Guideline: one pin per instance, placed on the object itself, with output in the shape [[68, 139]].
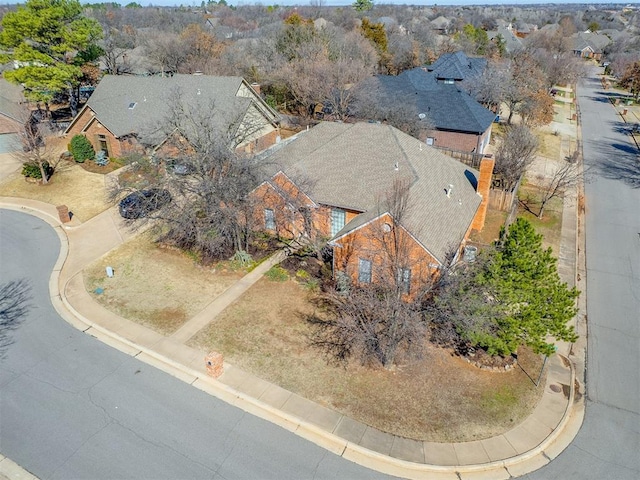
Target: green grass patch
[[277, 274]]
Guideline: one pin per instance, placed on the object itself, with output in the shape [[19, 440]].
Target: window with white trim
[[364, 270], [404, 279], [338, 218], [269, 219]]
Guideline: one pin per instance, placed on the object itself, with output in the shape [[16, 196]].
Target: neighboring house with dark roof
[[457, 67], [329, 183], [589, 45], [129, 113], [455, 120]]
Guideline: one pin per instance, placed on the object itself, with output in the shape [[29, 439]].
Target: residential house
[[506, 33], [128, 113], [457, 67], [452, 119], [329, 183], [589, 45], [441, 25]]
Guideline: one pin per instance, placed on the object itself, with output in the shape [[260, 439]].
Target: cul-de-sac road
[[608, 444], [74, 408]]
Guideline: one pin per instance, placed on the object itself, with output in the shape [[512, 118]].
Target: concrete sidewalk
[[528, 446]]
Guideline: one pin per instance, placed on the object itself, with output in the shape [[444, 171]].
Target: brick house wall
[[388, 247], [466, 142], [483, 188], [284, 198], [88, 125]]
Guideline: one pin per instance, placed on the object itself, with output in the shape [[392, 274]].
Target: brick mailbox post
[[214, 363]]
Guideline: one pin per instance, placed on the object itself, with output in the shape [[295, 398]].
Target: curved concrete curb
[[551, 446]]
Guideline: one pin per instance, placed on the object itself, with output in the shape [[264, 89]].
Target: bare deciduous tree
[[381, 321], [34, 147], [567, 176], [208, 176], [515, 153]]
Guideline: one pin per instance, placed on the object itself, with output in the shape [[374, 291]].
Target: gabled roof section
[[352, 166], [114, 95], [446, 105], [589, 40], [457, 66]]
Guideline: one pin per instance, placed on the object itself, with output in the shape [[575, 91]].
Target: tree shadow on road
[[618, 161], [15, 297]]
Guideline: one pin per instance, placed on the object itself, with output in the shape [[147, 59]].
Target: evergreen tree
[[50, 40], [511, 296], [536, 303]]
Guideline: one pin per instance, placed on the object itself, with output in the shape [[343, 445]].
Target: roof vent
[[396, 167], [198, 91], [197, 72], [422, 116], [132, 105], [449, 190]]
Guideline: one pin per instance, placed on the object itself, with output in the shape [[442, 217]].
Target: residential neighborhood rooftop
[[352, 166]]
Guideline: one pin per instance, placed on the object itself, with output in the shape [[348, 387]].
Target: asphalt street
[[608, 444], [73, 408]]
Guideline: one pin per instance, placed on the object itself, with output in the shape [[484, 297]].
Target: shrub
[[241, 259], [101, 158], [32, 170], [277, 274], [81, 149], [302, 274]]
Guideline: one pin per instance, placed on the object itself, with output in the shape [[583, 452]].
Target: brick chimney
[[484, 185], [256, 87]]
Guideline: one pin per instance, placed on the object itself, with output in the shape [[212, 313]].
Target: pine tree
[[536, 303], [50, 40]]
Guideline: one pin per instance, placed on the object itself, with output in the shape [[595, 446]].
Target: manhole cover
[[555, 388]]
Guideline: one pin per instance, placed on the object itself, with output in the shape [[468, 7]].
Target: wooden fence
[[500, 199], [470, 159]]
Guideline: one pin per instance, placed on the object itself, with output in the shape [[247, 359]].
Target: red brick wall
[[466, 142], [484, 185], [386, 250]]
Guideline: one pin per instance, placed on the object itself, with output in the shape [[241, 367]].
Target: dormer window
[[132, 105]]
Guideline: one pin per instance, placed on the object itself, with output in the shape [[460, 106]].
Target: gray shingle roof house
[[511, 42], [459, 121], [456, 67], [589, 45], [350, 167], [128, 110]]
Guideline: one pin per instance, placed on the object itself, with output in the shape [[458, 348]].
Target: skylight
[[132, 105]]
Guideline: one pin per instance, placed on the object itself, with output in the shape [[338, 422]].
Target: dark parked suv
[[140, 204]]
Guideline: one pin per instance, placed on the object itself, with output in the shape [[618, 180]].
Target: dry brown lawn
[[439, 398], [83, 192], [158, 287], [550, 224], [549, 145], [491, 231]]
